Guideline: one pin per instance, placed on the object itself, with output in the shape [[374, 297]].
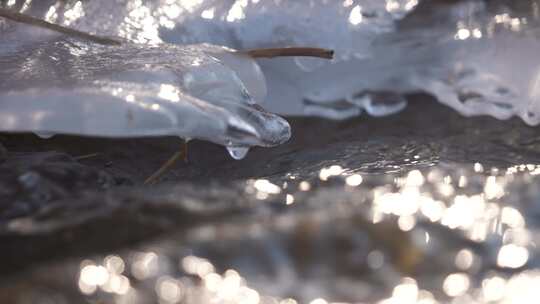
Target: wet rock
[[30, 181]]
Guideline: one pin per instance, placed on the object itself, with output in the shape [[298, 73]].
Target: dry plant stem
[[87, 156], [182, 154], [291, 51], [17, 17]]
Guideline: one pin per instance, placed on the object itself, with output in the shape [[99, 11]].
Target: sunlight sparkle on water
[[318, 301], [512, 256], [456, 284], [114, 264], [195, 265], [169, 92], [355, 17], [354, 180], [264, 185], [493, 189], [94, 275], [208, 13], [289, 199], [190, 5], [406, 223], [51, 15], [478, 168], [406, 292], [464, 259], [304, 186], [327, 172], [512, 217], [144, 265], [237, 11], [169, 290], [74, 13], [494, 288]]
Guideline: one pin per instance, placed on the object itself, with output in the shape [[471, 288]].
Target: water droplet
[[238, 153]]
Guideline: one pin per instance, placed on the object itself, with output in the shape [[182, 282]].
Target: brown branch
[[182, 154], [291, 51], [17, 17]]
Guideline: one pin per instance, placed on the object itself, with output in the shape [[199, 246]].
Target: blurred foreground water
[[423, 206]]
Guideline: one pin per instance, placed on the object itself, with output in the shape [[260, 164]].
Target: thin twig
[[17, 17], [291, 51], [182, 154], [86, 156]]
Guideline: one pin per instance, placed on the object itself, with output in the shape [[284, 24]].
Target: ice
[[349, 27], [238, 152], [380, 104], [477, 57], [56, 84]]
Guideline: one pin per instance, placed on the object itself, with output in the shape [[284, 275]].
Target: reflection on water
[[439, 234]]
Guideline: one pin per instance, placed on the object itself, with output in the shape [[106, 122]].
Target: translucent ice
[[50, 83], [478, 57], [379, 104]]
